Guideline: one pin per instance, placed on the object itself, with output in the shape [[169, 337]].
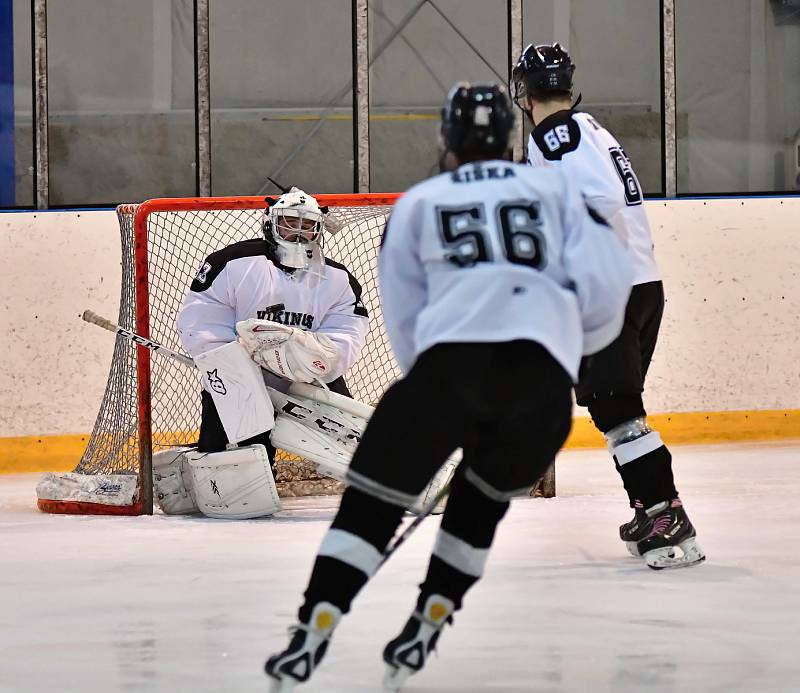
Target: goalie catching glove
[[289, 352]]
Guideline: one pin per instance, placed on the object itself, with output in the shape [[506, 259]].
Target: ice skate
[[637, 529], [306, 649], [408, 652], [671, 529]]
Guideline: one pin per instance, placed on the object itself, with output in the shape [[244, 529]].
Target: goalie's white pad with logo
[[319, 425], [331, 456], [235, 484], [289, 352], [331, 420], [238, 389], [325, 427], [173, 483]]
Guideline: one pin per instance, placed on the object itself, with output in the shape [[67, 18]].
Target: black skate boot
[[306, 649], [408, 652], [670, 529], [637, 529]]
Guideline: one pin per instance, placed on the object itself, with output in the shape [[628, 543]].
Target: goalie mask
[[292, 227]]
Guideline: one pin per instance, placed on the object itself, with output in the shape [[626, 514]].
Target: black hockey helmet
[[542, 70], [476, 121]]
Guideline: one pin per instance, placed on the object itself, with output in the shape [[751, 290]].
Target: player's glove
[[289, 352]]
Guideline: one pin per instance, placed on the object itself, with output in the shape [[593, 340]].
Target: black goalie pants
[[507, 405]]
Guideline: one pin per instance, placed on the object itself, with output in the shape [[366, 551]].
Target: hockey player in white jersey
[[495, 280], [273, 305], [611, 385]]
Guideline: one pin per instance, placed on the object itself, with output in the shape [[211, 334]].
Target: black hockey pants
[[507, 405]]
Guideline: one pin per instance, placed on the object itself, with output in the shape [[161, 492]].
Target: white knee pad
[[238, 390], [235, 484], [173, 484]]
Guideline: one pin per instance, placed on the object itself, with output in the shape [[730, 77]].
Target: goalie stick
[[331, 427], [100, 321], [401, 538]]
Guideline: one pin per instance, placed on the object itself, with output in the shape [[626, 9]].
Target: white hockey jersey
[[590, 155], [496, 251], [243, 281]]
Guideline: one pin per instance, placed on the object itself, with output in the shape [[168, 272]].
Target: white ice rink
[[156, 604]]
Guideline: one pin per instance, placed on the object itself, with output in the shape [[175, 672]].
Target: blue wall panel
[[7, 196]]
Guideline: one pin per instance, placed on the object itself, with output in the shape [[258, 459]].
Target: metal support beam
[[360, 96], [202, 98], [40, 113], [670, 106], [515, 39]]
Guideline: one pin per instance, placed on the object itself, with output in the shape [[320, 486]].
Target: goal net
[[153, 403]]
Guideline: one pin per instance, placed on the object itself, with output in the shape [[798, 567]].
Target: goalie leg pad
[[338, 424], [173, 484], [235, 484], [238, 389], [331, 456], [359, 410]]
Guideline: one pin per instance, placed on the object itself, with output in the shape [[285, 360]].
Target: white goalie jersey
[[590, 155], [242, 282], [496, 251]]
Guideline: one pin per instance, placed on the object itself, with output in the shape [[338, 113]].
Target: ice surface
[[159, 603]]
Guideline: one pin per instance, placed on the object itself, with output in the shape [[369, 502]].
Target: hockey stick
[[100, 321], [401, 538], [301, 389]]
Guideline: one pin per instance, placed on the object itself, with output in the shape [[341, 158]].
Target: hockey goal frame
[[138, 252], [141, 269]]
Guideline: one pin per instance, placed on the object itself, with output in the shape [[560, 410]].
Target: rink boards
[[726, 366]]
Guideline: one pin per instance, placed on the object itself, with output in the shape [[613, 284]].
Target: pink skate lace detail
[[660, 525]]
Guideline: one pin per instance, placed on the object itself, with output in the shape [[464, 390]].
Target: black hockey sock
[[628, 490], [466, 533], [649, 477], [444, 579], [362, 520]]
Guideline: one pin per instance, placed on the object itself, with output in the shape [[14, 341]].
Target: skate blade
[[395, 677], [281, 685], [633, 549], [662, 559]]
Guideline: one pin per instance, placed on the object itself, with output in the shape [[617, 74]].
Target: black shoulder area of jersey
[[216, 262], [558, 134], [355, 287]]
